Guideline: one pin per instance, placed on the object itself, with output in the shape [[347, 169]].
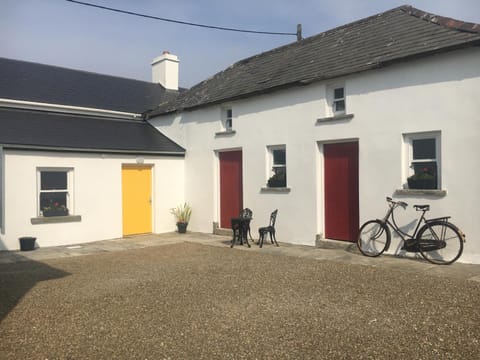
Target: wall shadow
[[18, 275]]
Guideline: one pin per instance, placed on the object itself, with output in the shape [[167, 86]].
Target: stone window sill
[[413, 192], [55, 219], [344, 117], [275, 190], [225, 133]]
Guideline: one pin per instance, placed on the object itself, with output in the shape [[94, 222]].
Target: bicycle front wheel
[[373, 238], [440, 242]]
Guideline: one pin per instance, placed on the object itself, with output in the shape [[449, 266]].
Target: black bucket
[[27, 243]]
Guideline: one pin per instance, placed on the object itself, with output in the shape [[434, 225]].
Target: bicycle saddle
[[421, 207]]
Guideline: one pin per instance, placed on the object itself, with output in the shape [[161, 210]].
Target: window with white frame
[[277, 159], [336, 99], [423, 160], [227, 119], [338, 104], [54, 191]]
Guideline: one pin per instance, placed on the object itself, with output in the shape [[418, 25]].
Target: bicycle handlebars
[[404, 205], [397, 203]]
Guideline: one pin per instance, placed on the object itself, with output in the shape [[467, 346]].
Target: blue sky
[[58, 32]]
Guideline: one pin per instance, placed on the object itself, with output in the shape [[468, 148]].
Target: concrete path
[[328, 251]]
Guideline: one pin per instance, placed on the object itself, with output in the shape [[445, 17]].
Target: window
[[228, 119], [54, 191], [339, 100], [336, 100], [278, 165], [424, 161]]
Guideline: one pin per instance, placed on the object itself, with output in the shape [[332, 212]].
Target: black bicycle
[[438, 240]]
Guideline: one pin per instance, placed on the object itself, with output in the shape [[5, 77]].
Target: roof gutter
[[87, 150], [32, 105]]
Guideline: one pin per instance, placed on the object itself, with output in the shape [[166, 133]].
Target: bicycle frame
[[393, 225]]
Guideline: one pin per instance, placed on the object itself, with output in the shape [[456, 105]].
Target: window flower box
[[421, 184], [59, 212], [422, 180], [277, 180], [54, 209]]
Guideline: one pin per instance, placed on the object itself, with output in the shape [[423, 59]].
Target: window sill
[[55, 219], [436, 193], [275, 190], [225, 133], [345, 117]]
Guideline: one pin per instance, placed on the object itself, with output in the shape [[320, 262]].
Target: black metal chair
[[240, 230], [270, 229], [241, 227], [247, 214]]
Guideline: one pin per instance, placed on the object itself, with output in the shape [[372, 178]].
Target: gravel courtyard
[[190, 301]]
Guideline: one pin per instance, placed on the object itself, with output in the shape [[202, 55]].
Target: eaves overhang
[[90, 150]]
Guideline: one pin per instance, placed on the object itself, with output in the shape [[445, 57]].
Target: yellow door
[[137, 199]]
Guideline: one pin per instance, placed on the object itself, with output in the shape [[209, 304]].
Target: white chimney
[[165, 70]]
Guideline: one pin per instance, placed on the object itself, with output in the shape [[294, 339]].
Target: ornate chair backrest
[[273, 218], [246, 213]]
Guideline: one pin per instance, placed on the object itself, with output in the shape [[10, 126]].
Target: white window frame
[[227, 118], [332, 101], [68, 190], [271, 163], [409, 161], [336, 100]]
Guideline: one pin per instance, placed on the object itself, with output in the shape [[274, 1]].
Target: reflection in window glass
[[278, 167], [424, 149], [53, 180]]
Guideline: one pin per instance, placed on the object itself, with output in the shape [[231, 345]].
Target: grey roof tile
[[399, 34], [22, 80], [29, 129]]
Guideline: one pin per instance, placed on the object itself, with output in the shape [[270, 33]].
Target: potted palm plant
[[182, 215]]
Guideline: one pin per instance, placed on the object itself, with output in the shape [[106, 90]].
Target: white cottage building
[[321, 129], [325, 128], [78, 162]]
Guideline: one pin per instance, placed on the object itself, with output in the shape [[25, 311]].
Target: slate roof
[[22, 80], [31, 129], [399, 34]]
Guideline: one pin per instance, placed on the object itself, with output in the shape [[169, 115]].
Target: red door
[[341, 191], [231, 189]]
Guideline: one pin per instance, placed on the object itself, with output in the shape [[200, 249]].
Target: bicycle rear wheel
[[440, 242], [373, 238]]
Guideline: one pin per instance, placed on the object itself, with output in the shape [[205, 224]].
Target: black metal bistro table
[[240, 226]]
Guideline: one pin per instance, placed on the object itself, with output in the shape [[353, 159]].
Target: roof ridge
[[444, 21], [304, 41], [397, 34], [77, 70]]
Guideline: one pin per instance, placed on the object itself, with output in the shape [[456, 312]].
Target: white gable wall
[[438, 93], [96, 191]]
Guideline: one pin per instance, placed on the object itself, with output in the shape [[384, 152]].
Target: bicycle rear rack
[[443, 218]]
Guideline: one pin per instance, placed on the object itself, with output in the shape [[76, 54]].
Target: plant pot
[[182, 227], [27, 243], [421, 184], [48, 213]]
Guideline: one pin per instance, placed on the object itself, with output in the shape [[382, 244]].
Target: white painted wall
[[439, 93], [97, 192]]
